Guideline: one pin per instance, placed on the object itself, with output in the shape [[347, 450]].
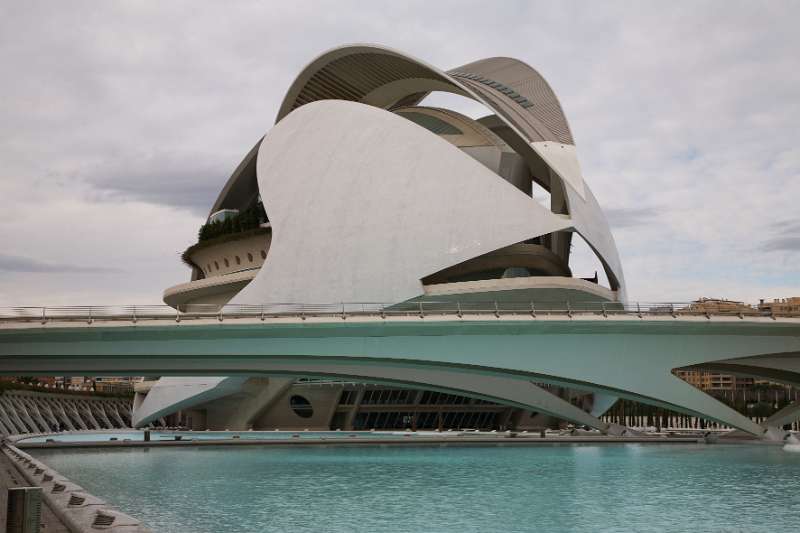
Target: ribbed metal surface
[[529, 84], [24, 512], [431, 123], [512, 88], [354, 76]]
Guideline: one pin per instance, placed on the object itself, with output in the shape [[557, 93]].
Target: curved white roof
[[364, 204], [519, 96]]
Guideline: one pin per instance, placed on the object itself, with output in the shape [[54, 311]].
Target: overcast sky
[[120, 122]]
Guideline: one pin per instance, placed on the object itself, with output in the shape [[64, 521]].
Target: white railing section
[[421, 309]]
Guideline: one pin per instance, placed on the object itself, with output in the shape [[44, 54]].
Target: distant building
[[714, 381], [781, 306], [718, 306], [116, 384]]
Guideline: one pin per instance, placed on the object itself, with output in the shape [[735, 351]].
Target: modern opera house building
[[359, 193]]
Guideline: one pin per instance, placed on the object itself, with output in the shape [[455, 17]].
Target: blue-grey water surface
[[642, 488]]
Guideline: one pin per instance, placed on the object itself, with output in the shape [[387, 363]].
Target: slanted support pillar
[[774, 424], [351, 416]]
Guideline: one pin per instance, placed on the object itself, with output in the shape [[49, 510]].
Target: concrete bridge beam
[[620, 357]]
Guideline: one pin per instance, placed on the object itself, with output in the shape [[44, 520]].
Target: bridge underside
[[496, 360], [511, 391]]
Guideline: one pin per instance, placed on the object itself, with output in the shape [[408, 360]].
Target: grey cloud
[[782, 244], [787, 227], [785, 238], [16, 263], [183, 181], [626, 217]]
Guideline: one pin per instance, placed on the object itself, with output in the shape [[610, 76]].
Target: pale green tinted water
[[554, 488]]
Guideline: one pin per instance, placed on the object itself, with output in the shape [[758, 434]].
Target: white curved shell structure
[[364, 212], [364, 195]]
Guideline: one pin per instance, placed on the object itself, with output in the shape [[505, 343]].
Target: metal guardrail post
[[569, 310], [605, 312], [133, 311], [178, 314], [496, 310], [672, 310], [421, 310], [344, 316], [44, 315], [458, 310], [639, 310], [533, 310], [90, 316], [262, 312]]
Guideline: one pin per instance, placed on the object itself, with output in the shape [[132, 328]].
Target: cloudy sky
[[120, 121]]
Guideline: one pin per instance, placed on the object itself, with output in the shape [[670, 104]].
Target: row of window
[[236, 258], [388, 396], [508, 91], [406, 397], [403, 420]]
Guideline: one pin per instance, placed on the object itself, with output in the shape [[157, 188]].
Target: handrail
[[422, 309]]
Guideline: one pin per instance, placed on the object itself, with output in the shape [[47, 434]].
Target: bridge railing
[[418, 308]]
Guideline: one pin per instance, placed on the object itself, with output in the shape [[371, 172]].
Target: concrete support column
[[260, 393], [351, 416], [787, 415]]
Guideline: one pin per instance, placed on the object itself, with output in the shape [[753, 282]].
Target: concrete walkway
[[10, 477]]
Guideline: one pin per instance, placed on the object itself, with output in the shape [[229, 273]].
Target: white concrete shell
[[363, 213], [382, 77], [172, 394]]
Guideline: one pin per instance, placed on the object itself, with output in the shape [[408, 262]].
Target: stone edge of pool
[[80, 511], [363, 441]]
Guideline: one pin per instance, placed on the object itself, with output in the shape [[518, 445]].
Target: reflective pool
[[643, 488]]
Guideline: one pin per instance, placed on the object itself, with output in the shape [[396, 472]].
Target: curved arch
[[326, 189], [172, 394], [529, 84], [524, 102], [529, 256], [241, 188], [383, 77], [469, 132]]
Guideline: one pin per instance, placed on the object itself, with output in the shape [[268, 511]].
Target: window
[[216, 265], [208, 267], [301, 406], [227, 263], [431, 123], [249, 257], [238, 261], [263, 254]]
